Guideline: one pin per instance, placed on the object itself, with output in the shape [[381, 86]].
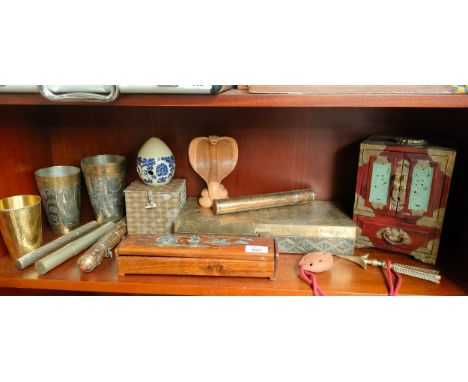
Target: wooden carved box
[[197, 255], [401, 194]]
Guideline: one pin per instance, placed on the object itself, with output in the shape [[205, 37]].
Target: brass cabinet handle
[[400, 195], [394, 236], [395, 193], [79, 96], [403, 182]]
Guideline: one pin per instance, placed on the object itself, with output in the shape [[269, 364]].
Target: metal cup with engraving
[[105, 180], [20, 224], [59, 187]]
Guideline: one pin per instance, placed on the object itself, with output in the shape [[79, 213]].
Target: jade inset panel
[[380, 182], [421, 184]]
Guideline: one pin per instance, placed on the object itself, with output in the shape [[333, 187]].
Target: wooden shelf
[[242, 98], [345, 278], [324, 143]]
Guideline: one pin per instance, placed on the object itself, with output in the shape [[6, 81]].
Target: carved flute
[[68, 251], [93, 257], [408, 270], [32, 257], [256, 202]]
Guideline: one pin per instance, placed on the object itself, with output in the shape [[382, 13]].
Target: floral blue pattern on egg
[[155, 162], [161, 169], [154, 171]]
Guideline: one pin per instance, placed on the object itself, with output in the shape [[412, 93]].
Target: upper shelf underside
[[242, 98]]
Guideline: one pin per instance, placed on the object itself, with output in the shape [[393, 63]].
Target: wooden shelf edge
[[146, 289], [347, 280], [242, 98]]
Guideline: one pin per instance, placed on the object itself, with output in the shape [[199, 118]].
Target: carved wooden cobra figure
[[213, 158]]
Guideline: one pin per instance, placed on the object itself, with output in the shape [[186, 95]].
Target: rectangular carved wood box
[[153, 209], [197, 255], [317, 226], [401, 195]]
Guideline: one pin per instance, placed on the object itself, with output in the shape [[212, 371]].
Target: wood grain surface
[[345, 278], [24, 148], [242, 98], [144, 245], [350, 89], [145, 265]]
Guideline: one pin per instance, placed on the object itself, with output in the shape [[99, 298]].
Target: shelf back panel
[[279, 148]]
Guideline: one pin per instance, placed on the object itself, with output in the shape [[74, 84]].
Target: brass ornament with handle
[[431, 275], [394, 236]]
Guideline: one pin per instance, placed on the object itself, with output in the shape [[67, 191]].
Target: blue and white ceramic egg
[[155, 163]]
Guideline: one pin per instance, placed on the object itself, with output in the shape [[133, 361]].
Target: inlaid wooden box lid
[[199, 246]]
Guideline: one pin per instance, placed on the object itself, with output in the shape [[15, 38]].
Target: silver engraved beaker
[[105, 180], [59, 187]]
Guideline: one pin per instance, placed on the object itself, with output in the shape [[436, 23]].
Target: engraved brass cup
[[105, 180], [59, 187], [20, 224]]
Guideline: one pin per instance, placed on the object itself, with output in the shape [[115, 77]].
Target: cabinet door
[[382, 181], [421, 186]]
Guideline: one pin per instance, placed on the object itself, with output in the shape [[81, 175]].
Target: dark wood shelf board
[[242, 98], [345, 278]]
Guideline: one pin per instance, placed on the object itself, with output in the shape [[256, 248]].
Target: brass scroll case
[[256, 202]]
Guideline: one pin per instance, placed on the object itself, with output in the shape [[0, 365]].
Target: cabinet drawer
[[395, 236]]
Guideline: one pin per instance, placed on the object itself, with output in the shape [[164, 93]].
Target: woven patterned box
[[153, 209]]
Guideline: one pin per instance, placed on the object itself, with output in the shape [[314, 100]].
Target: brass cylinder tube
[[256, 202]]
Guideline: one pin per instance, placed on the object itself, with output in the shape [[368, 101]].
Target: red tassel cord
[[310, 279], [393, 289], [393, 285]]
